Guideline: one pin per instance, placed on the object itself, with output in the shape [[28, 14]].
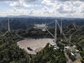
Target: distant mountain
[[20, 22]]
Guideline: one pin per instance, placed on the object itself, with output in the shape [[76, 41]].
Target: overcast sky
[[53, 8]]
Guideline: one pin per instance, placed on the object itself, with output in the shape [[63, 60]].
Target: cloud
[[70, 0], [61, 8], [21, 0], [30, 0], [47, 2], [19, 4], [9, 0], [23, 3], [37, 0], [66, 7]]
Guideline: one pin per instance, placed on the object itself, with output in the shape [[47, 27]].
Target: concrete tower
[[8, 25]]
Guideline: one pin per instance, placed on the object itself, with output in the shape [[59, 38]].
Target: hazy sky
[[53, 8]]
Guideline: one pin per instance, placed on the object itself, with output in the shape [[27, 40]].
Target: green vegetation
[[77, 38], [11, 53], [49, 55]]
